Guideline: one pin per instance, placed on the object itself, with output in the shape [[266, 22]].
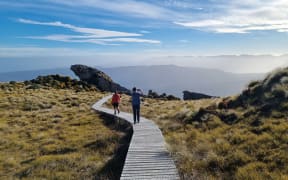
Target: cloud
[[219, 16], [124, 7], [88, 35], [91, 39], [184, 41], [100, 33], [243, 17], [145, 32], [132, 40], [69, 38]]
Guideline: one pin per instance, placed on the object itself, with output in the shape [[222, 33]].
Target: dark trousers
[[136, 112]]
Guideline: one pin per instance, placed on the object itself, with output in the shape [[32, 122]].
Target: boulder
[[96, 77], [163, 96], [187, 95]]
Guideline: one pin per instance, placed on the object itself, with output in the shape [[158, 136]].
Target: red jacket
[[116, 98]]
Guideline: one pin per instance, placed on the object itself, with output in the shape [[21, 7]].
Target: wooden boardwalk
[[147, 157]]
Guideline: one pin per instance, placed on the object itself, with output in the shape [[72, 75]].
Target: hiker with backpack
[[115, 102], [136, 93]]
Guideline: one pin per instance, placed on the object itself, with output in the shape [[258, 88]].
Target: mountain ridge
[[175, 79]]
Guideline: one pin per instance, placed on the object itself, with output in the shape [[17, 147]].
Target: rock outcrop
[[163, 96], [98, 78], [58, 82], [195, 96]]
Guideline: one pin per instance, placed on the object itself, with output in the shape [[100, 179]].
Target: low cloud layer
[[58, 57]]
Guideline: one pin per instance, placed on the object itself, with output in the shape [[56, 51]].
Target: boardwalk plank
[[147, 157]]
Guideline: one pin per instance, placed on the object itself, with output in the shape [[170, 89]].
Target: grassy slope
[[52, 134], [214, 149]]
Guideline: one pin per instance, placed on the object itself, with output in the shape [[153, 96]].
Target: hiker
[[115, 101], [136, 93]]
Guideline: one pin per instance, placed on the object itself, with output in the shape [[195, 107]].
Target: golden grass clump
[[52, 134], [253, 148]]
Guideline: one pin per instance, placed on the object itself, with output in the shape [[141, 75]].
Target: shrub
[[253, 83], [201, 151], [284, 80], [12, 82], [275, 77], [75, 103], [279, 92], [214, 163], [174, 126], [29, 106], [222, 148], [214, 122], [253, 171], [33, 86], [239, 137]]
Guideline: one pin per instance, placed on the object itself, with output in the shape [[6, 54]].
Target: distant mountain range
[[160, 78], [174, 79]]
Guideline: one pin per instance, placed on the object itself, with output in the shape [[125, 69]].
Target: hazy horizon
[[240, 64], [169, 79], [122, 66]]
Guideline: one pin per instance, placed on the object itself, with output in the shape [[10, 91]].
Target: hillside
[[48, 131], [240, 137], [47, 126]]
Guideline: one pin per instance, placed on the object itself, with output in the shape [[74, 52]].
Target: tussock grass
[[213, 149], [53, 134], [240, 137]]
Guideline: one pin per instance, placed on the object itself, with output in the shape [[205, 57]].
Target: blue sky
[[141, 28]]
